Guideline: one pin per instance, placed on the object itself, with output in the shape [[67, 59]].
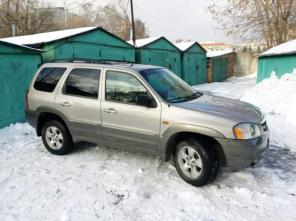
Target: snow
[[144, 41], [285, 48], [46, 36], [276, 97], [183, 46], [226, 51], [95, 182], [22, 46], [234, 87]]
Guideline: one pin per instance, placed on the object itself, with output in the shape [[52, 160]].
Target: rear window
[[48, 78], [83, 82]]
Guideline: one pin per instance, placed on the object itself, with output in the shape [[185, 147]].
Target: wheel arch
[[204, 136], [45, 116]]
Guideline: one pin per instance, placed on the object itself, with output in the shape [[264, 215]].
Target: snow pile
[[277, 98], [285, 48], [234, 87]]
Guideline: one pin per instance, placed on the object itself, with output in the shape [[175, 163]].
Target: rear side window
[[83, 82], [48, 78]]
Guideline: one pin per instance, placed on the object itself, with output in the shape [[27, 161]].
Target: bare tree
[[32, 16], [84, 18], [271, 22], [29, 16], [115, 18], [141, 29]]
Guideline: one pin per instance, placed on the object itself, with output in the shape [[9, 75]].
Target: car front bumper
[[241, 154]]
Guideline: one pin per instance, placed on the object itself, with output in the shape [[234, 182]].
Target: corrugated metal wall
[[93, 45], [194, 64], [17, 66], [281, 65], [219, 66], [160, 53]]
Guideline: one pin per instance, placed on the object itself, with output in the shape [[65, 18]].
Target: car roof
[[126, 66]]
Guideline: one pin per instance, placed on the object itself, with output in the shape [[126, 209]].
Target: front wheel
[[197, 164], [56, 138]]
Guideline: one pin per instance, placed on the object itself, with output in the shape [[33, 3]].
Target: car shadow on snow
[[82, 147], [278, 158]]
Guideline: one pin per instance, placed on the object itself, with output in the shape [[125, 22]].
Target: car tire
[[196, 162], [56, 138]]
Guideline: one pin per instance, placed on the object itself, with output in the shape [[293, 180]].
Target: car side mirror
[[146, 101]]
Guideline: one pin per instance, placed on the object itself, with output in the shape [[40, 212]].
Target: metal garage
[[220, 65], [91, 43], [159, 51], [280, 60], [194, 62], [17, 66]]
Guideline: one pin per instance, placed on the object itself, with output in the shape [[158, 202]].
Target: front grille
[[264, 126]]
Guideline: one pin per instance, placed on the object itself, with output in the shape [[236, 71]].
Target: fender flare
[[53, 111], [168, 136]]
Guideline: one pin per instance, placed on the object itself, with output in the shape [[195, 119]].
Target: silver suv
[[146, 109]]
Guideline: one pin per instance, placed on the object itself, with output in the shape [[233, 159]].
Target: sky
[[174, 19]]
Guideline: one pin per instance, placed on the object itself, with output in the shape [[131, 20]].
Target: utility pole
[[133, 24]]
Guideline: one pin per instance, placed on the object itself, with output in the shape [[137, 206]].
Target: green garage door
[[5, 107]]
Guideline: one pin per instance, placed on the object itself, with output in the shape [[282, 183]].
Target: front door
[[124, 123], [78, 100]]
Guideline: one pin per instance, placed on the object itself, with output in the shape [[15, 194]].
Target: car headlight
[[246, 131]]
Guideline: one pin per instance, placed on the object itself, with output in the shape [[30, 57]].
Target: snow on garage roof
[[183, 46], [211, 54], [285, 48], [21, 46], [144, 41], [46, 36]]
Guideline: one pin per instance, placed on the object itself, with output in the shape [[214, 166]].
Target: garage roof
[[285, 48], [144, 41], [47, 37], [19, 46], [183, 46], [212, 54]]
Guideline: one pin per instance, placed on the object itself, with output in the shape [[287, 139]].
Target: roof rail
[[91, 61]]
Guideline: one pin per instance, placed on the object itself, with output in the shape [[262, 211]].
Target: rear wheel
[[196, 163], [56, 138]]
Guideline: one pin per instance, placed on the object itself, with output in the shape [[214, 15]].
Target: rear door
[[78, 99]]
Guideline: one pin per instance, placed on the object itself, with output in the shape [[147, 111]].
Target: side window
[[83, 82], [123, 87], [48, 78]]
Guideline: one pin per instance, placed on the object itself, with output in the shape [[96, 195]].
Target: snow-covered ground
[[95, 183]]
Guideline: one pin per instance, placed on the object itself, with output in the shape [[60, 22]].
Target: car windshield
[[169, 86]]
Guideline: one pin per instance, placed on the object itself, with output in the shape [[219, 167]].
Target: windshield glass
[[169, 86]]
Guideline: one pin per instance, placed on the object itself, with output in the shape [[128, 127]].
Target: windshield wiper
[[191, 96]]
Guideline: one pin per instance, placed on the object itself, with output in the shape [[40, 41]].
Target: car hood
[[224, 107]]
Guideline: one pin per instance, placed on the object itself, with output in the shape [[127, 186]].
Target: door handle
[[65, 104], [111, 111]]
